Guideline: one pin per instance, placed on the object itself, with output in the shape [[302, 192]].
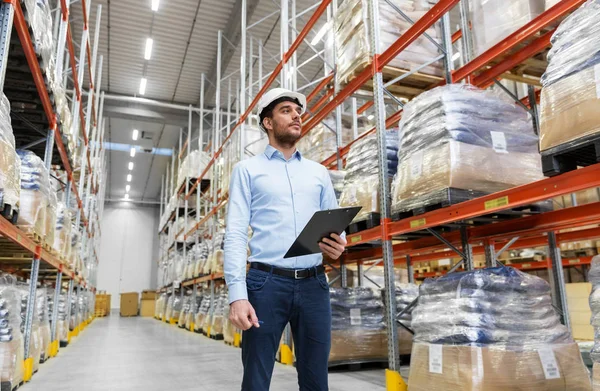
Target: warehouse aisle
[[136, 354]]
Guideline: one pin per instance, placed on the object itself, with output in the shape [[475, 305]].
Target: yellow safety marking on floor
[[237, 337], [286, 355], [28, 369], [394, 382]]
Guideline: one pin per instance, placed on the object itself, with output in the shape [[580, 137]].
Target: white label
[[597, 79], [549, 363], [355, 318], [416, 165], [374, 201], [498, 142], [435, 358], [444, 262]]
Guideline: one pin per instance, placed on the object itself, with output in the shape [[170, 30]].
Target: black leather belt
[[297, 274]]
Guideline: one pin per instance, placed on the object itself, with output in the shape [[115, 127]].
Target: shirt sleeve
[[328, 199], [236, 234]]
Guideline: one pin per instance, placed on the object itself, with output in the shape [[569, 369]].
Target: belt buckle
[[296, 276]]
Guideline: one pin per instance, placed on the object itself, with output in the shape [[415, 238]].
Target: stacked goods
[[229, 329], [75, 257], [35, 342], [492, 329], [35, 193], [63, 318], [203, 314], [217, 326], [148, 303], [185, 310], [353, 42], [41, 311], [214, 263], [192, 166], [62, 237], [256, 141], [39, 16], [551, 3], [460, 139], [176, 308], [570, 101], [361, 183], [358, 330], [406, 293], [320, 142], [169, 309], [337, 180], [594, 278], [10, 164], [200, 252], [11, 339], [159, 309], [194, 305], [494, 20]]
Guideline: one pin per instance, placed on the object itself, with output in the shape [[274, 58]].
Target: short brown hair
[[267, 112]]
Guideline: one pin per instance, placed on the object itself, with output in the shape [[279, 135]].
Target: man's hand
[[333, 248], [242, 315]]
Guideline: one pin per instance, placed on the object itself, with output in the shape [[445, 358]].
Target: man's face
[[286, 123]]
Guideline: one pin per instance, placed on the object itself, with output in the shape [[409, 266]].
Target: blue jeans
[[305, 305]]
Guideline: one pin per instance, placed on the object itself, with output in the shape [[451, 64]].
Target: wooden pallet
[[372, 220], [568, 156]]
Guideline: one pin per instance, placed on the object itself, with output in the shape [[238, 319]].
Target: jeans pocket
[[323, 281], [256, 280]]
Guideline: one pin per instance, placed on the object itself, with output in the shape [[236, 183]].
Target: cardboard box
[[147, 307], [570, 109], [148, 295], [468, 368], [129, 304], [578, 295]]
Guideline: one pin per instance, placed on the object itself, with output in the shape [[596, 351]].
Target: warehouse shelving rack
[[88, 192], [380, 244]]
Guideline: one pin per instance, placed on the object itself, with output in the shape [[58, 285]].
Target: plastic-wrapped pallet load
[[494, 20], [464, 140], [492, 329], [357, 328], [337, 180], [320, 142], [214, 263], [406, 293], [176, 309], [201, 253], [11, 339], [159, 306], [35, 190], [10, 164], [62, 237], [203, 313], [35, 342], [361, 183], [185, 309], [216, 328], [192, 166], [594, 278], [50, 222], [41, 311], [353, 43], [570, 100], [229, 329]]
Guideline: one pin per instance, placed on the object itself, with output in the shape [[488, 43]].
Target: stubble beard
[[286, 139]]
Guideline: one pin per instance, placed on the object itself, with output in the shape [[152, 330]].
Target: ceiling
[[185, 46]]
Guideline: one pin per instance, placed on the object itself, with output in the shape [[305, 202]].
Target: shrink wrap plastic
[[185, 309], [200, 252], [35, 193], [62, 236], [41, 311], [494, 20], [169, 309], [35, 342], [361, 183], [10, 164], [320, 142], [570, 100], [192, 167], [353, 43], [11, 338], [459, 136], [202, 317], [196, 309], [337, 180], [492, 329], [40, 18], [594, 278], [177, 305], [256, 141], [160, 306], [221, 302]]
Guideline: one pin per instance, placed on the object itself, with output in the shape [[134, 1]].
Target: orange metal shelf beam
[[205, 218]]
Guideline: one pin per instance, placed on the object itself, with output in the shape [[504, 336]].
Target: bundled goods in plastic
[[214, 263], [10, 164], [191, 315], [361, 183], [256, 141], [229, 329], [353, 42], [185, 309], [35, 340], [192, 166], [62, 236], [51, 216], [492, 329], [200, 252], [494, 20], [570, 100], [320, 142], [202, 317], [337, 180], [41, 311], [39, 16], [358, 329], [594, 278], [196, 310], [406, 293], [176, 307], [35, 193], [462, 138], [12, 351], [221, 301]]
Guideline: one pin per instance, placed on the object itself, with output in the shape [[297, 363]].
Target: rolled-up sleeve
[[236, 235]]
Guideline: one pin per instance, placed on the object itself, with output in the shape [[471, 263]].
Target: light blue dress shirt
[[276, 198]]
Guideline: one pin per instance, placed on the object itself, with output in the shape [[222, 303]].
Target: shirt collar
[[271, 151]]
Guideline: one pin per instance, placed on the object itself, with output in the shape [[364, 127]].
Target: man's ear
[[267, 123]]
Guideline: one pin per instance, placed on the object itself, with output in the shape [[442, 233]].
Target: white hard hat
[[277, 93]]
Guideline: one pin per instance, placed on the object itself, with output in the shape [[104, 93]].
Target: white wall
[[128, 249]]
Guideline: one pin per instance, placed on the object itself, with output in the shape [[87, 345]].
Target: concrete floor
[[136, 354]]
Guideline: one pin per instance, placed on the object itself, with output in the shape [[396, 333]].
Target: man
[[276, 193]]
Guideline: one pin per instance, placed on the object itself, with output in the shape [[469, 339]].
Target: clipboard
[[322, 224]]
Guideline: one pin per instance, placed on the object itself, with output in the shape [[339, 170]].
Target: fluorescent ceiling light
[[132, 152], [155, 5], [455, 56], [126, 197], [148, 51], [130, 166], [128, 177], [320, 34], [143, 86], [135, 134], [127, 188]]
